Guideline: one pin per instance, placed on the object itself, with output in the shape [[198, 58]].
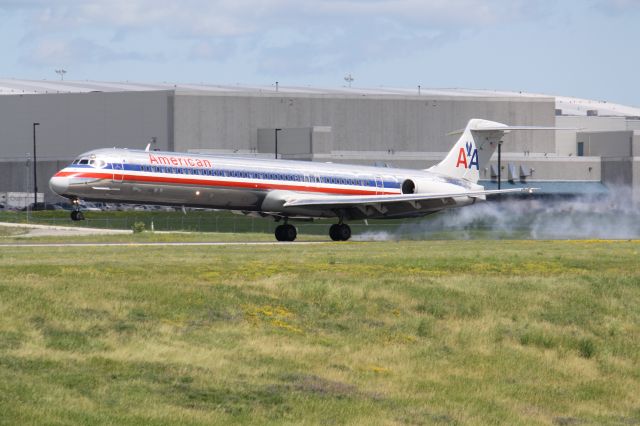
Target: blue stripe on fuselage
[[139, 168]]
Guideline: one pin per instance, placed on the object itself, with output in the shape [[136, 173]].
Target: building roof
[[568, 105]]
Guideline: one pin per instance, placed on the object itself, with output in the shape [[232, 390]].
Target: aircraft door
[[379, 185], [118, 171]]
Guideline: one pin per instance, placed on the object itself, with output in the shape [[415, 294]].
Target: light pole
[[499, 164], [27, 184], [61, 72], [349, 79], [276, 148], [35, 168]]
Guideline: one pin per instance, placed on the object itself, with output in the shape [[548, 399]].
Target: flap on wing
[[352, 200]]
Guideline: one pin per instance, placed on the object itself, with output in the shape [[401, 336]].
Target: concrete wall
[[292, 143], [71, 124], [74, 123], [566, 139], [635, 183], [17, 176], [552, 168], [606, 144], [359, 123], [617, 171]]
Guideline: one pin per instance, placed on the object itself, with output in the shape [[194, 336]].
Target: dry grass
[[442, 332]]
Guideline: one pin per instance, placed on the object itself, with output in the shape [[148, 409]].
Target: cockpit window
[[92, 162], [84, 161], [75, 161]]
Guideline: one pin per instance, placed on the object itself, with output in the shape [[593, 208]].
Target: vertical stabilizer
[[473, 150]]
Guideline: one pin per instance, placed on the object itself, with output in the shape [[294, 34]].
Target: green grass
[[227, 222], [435, 332], [11, 231], [200, 221]]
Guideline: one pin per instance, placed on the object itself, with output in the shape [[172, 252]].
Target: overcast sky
[[584, 48]]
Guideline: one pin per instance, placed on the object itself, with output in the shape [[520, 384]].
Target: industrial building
[[400, 127]]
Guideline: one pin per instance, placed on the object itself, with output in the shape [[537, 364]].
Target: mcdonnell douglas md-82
[[285, 189]]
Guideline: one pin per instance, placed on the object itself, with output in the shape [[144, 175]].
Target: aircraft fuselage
[[221, 182]]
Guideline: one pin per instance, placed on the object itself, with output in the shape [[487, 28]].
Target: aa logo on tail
[[468, 158]]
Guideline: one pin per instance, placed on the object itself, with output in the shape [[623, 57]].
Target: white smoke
[[611, 216]]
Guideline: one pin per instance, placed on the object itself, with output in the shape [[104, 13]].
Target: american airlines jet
[[284, 189]]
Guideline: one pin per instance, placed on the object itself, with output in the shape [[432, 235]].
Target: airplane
[[284, 189]]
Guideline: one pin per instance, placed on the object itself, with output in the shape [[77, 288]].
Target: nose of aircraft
[[59, 184]]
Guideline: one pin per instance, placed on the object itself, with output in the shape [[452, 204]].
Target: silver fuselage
[[244, 184]]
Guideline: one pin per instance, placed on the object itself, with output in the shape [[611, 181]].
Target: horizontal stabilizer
[[482, 127]]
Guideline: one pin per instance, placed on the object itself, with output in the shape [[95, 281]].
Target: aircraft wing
[[337, 201]]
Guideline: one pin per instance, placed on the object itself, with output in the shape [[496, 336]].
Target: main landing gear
[[337, 232], [340, 232], [286, 232], [76, 214]]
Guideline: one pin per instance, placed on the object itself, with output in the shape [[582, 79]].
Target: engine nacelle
[[426, 186], [408, 187]]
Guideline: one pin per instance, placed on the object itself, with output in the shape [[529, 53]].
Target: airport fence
[[191, 222], [218, 221]]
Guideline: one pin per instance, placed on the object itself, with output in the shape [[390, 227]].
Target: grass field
[[200, 221], [431, 332], [221, 222]]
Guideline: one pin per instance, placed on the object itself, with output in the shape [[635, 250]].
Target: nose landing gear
[[76, 214]]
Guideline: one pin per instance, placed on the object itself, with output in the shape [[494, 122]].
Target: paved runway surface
[[256, 243]]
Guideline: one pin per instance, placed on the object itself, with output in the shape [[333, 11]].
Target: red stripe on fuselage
[[206, 182]]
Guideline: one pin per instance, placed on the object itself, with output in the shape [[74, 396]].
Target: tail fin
[[475, 147]]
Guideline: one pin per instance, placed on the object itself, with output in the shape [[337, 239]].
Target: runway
[[167, 244]]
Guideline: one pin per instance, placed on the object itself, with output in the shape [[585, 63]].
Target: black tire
[[80, 216], [333, 232], [344, 232], [340, 232], [290, 232], [286, 233], [74, 215]]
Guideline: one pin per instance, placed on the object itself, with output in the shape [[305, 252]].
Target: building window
[[580, 149]]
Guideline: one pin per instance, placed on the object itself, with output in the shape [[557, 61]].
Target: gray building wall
[[635, 183], [566, 139], [358, 123], [606, 144], [71, 124], [405, 131], [617, 171]]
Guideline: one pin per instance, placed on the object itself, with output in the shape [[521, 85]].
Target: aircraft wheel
[[333, 232], [345, 232], [77, 215], [340, 232], [286, 232]]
